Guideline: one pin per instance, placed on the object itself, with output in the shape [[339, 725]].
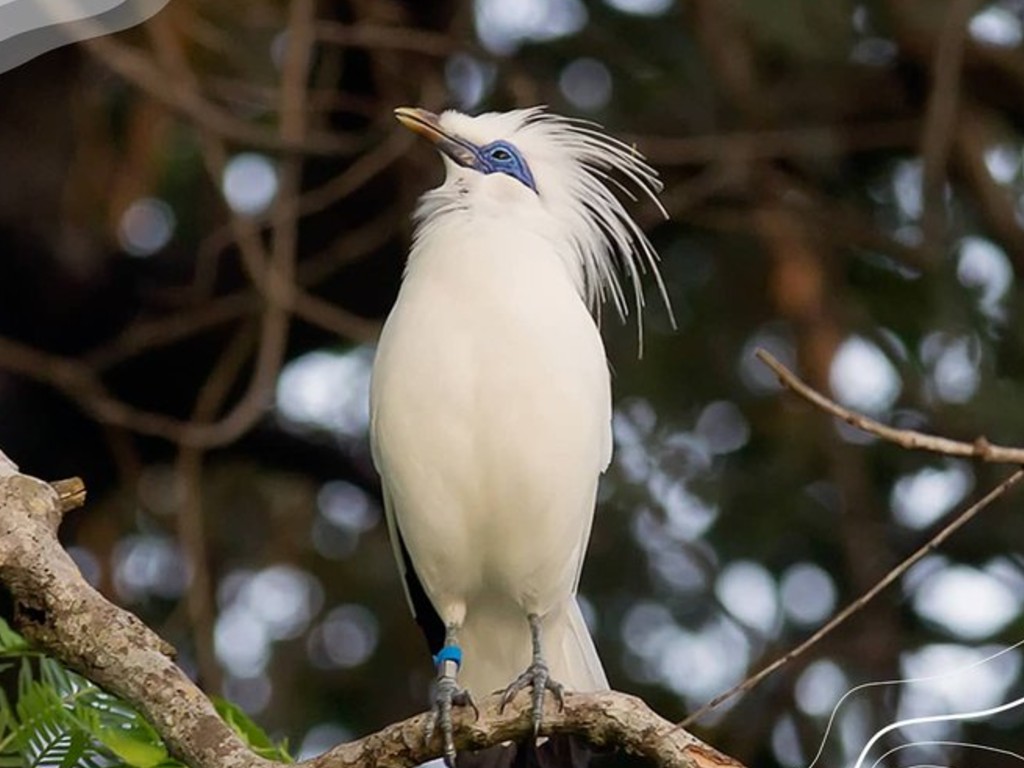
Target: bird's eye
[[501, 154]]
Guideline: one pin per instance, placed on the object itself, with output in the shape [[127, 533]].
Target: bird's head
[[559, 173], [470, 148]]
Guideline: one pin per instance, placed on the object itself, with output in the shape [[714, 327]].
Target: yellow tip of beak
[[428, 125], [420, 121]]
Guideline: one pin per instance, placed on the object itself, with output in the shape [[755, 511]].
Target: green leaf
[[121, 730], [52, 723], [42, 736], [10, 641], [79, 747], [255, 737], [63, 720], [25, 678], [134, 751]]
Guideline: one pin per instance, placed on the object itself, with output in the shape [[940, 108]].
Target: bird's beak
[[428, 125]]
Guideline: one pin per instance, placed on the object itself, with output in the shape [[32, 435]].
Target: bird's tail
[[573, 661], [496, 644], [572, 656]]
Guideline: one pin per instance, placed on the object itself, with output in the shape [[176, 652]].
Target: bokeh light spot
[[786, 743], [241, 642], [146, 227], [747, 591], [146, 564], [284, 598], [808, 594], [919, 499], [953, 363], [997, 26], [328, 391], [503, 26], [946, 677], [723, 427], [250, 183], [468, 78], [862, 377], [819, 688], [586, 84], [346, 638], [1003, 162], [983, 266], [967, 602]]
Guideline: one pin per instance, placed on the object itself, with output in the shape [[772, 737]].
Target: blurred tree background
[[203, 221]]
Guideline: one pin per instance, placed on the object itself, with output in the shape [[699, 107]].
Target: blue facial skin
[[502, 157], [497, 157]]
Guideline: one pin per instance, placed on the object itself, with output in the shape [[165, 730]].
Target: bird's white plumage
[[491, 406]]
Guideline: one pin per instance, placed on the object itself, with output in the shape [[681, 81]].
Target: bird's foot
[[537, 677], [447, 694]]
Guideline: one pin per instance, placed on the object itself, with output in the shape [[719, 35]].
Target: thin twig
[[191, 528], [364, 169], [958, 522], [769, 144], [376, 36], [146, 334], [139, 70], [81, 384], [906, 438]]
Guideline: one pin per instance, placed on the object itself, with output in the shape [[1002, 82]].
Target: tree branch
[[61, 614], [981, 448]]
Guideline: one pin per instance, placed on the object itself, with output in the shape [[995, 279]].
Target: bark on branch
[[61, 614]]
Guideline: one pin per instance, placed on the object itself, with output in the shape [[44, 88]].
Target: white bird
[[490, 399]]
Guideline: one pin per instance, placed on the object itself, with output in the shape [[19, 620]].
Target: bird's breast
[[491, 403], [492, 328]]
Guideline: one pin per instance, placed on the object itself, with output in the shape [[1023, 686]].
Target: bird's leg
[[537, 677], [447, 693]]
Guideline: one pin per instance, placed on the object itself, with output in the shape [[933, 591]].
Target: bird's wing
[[585, 534], [397, 545], [420, 605], [606, 460]]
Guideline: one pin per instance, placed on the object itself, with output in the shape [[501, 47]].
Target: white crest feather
[[577, 167]]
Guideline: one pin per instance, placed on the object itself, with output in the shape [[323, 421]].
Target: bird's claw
[[537, 677], [447, 694]]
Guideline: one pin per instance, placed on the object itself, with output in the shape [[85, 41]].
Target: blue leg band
[[448, 653]]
